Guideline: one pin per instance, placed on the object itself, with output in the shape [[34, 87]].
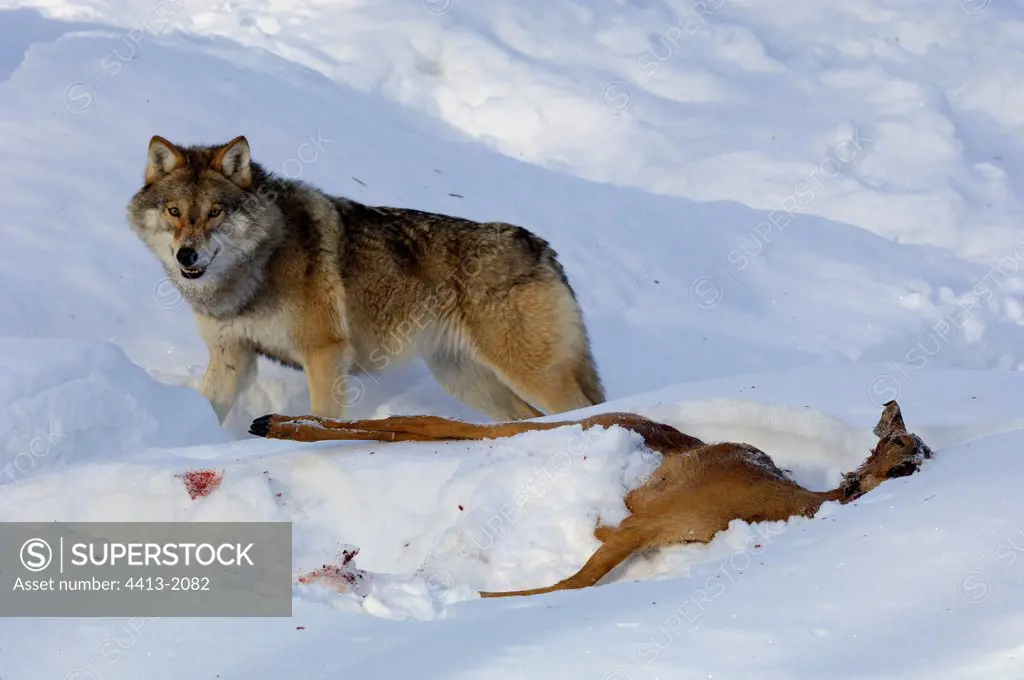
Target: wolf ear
[[232, 161], [163, 157]]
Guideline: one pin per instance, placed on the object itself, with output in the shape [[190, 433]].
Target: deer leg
[[393, 429], [658, 437]]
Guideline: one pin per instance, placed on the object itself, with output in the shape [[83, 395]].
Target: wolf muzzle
[[191, 263]]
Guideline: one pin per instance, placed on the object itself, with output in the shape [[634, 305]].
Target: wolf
[[275, 267]]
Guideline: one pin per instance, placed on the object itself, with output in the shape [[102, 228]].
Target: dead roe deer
[[696, 492]]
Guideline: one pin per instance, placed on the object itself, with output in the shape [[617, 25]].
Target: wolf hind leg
[[585, 372], [554, 389], [536, 343], [476, 385]]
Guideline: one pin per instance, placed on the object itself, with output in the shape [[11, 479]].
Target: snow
[[776, 219]]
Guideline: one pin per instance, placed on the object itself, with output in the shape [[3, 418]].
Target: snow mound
[[64, 402], [432, 523]]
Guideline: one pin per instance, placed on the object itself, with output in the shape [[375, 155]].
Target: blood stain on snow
[[341, 577], [200, 483]]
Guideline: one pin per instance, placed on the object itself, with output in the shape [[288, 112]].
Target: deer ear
[[162, 158], [232, 161], [891, 421]]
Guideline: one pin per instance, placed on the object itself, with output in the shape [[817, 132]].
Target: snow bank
[[901, 118], [424, 525], [67, 402], [432, 523], [429, 524]]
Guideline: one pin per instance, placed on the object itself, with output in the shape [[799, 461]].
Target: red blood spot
[[340, 577], [200, 483], [460, 507], [332, 575]]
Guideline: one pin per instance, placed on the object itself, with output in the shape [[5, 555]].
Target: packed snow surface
[[776, 218]]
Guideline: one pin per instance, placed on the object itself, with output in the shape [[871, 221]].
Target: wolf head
[[208, 213]]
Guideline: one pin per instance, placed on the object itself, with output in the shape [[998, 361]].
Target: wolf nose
[[187, 256]]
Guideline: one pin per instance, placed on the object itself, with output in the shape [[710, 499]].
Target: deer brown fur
[[696, 492]]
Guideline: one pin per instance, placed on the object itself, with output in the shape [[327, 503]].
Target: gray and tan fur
[[275, 267]]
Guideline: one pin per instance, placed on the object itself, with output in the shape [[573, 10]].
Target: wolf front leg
[[231, 360], [327, 369], [229, 364]]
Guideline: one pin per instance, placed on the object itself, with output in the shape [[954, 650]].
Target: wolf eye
[[215, 212], [174, 212]]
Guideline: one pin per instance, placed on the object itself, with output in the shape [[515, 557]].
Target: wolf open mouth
[[196, 272], [192, 273]]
